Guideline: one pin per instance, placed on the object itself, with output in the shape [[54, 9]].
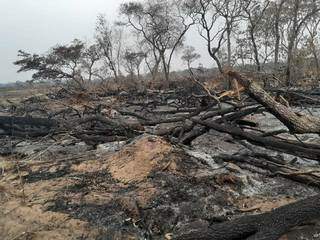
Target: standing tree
[[299, 13], [163, 25], [109, 40], [254, 12], [277, 10], [230, 11], [91, 57], [313, 42], [61, 63], [152, 60], [208, 20], [189, 56], [133, 62]]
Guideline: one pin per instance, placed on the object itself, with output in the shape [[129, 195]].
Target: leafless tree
[[230, 11], [313, 41], [209, 20], [189, 55], [253, 12], [152, 61], [133, 62], [109, 40], [299, 13], [163, 25], [91, 57], [277, 9]]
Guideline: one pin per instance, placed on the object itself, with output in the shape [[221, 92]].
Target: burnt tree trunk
[[296, 122], [295, 148], [11, 120], [266, 226]]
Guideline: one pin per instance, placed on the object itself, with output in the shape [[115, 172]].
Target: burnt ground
[[145, 187], [147, 190]]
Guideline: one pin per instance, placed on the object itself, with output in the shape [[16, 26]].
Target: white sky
[[37, 25]]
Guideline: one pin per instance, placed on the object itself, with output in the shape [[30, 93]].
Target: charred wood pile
[[181, 117]]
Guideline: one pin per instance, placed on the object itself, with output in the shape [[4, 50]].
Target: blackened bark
[[291, 147], [11, 120], [266, 226], [296, 122]]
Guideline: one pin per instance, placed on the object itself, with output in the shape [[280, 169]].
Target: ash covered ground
[[141, 186]]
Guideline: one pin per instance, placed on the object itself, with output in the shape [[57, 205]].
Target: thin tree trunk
[[229, 45], [277, 33], [165, 68], [255, 49], [292, 41], [289, 63], [115, 74], [277, 45], [316, 58]]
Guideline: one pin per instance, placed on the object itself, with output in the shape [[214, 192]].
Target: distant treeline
[[279, 37]]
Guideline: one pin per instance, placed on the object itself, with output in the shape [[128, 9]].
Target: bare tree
[[208, 20], [189, 55], [133, 62], [313, 42], [91, 57], [254, 11], [109, 40], [152, 61], [163, 24], [277, 9], [230, 11], [242, 52], [299, 13]]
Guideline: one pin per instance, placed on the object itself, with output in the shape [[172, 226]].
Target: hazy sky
[[37, 25]]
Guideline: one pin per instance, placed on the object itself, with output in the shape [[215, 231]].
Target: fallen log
[[110, 122], [308, 177], [26, 134], [295, 148], [31, 121], [297, 97], [176, 119], [94, 140], [266, 226], [26, 126], [296, 122], [227, 115]]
